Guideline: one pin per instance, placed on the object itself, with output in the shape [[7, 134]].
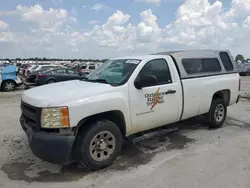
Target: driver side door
[[154, 105], [61, 75]]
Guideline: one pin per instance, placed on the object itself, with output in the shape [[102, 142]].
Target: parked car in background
[[243, 68], [23, 67], [88, 67], [58, 75], [29, 69], [39, 67], [9, 79], [32, 76]]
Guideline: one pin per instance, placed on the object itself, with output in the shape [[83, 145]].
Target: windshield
[[33, 68], [114, 72]]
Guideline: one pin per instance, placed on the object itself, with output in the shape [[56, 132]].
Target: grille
[[31, 115]]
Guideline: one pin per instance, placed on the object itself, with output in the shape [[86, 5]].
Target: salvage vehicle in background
[[243, 68], [23, 67], [58, 75], [32, 76], [44, 66], [88, 67], [86, 120], [29, 69], [9, 79]]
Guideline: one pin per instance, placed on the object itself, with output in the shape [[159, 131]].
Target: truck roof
[[185, 53], [193, 53], [142, 57], [181, 55]]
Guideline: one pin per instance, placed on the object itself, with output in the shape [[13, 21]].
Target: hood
[[60, 93], [10, 69]]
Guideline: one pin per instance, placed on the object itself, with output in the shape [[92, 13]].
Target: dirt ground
[[193, 157]]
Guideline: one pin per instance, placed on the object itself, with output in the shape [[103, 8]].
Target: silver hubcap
[[219, 112], [102, 146], [9, 86]]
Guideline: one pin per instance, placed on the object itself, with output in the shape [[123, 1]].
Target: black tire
[[8, 85], [86, 146], [51, 81], [242, 73], [217, 113]]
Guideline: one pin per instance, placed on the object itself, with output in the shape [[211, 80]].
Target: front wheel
[[217, 113], [99, 145], [9, 86]]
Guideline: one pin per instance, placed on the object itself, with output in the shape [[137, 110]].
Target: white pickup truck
[[86, 120]]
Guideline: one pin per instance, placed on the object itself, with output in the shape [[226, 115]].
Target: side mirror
[[145, 81], [137, 84]]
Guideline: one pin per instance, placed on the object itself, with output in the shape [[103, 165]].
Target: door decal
[[155, 98], [152, 99]]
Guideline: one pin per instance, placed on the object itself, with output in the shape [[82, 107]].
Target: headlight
[[55, 118]]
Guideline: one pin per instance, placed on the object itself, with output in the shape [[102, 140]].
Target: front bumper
[[50, 147]]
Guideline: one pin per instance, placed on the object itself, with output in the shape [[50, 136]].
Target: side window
[[194, 66], [211, 65], [83, 67], [60, 71], [226, 61], [159, 69], [91, 67], [71, 72]]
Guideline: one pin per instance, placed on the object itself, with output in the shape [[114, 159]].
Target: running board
[[152, 133]]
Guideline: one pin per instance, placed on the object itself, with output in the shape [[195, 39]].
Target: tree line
[[239, 57], [54, 59]]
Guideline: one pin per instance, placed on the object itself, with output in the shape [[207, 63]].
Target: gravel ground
[[192, 157]]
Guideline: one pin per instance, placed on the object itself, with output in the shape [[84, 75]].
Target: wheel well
[[115, 116], [51, 79], [223, 94]]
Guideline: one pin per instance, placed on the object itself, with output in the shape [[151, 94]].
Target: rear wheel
[[217, 113], [51, 81], [99, 145], [9, 85]]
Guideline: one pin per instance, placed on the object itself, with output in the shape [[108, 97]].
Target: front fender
[[99, 104]]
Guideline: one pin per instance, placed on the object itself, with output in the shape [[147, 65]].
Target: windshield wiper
[[99, 80], [95, 80]]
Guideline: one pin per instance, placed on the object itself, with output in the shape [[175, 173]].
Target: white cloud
[[3, 25], [7, 37], [56, 2], [198, 24], [149, 1], [97, 7], [47, 20], [118, 18], [94, 22]]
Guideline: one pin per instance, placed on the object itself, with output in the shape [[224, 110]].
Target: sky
[[112, 28]]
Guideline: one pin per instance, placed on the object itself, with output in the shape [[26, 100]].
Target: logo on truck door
[[155, 98], [152, 99]]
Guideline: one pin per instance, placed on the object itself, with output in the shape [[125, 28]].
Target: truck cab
[[86, 120]]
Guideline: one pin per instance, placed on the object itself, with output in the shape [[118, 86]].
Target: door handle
[[170, 92]]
